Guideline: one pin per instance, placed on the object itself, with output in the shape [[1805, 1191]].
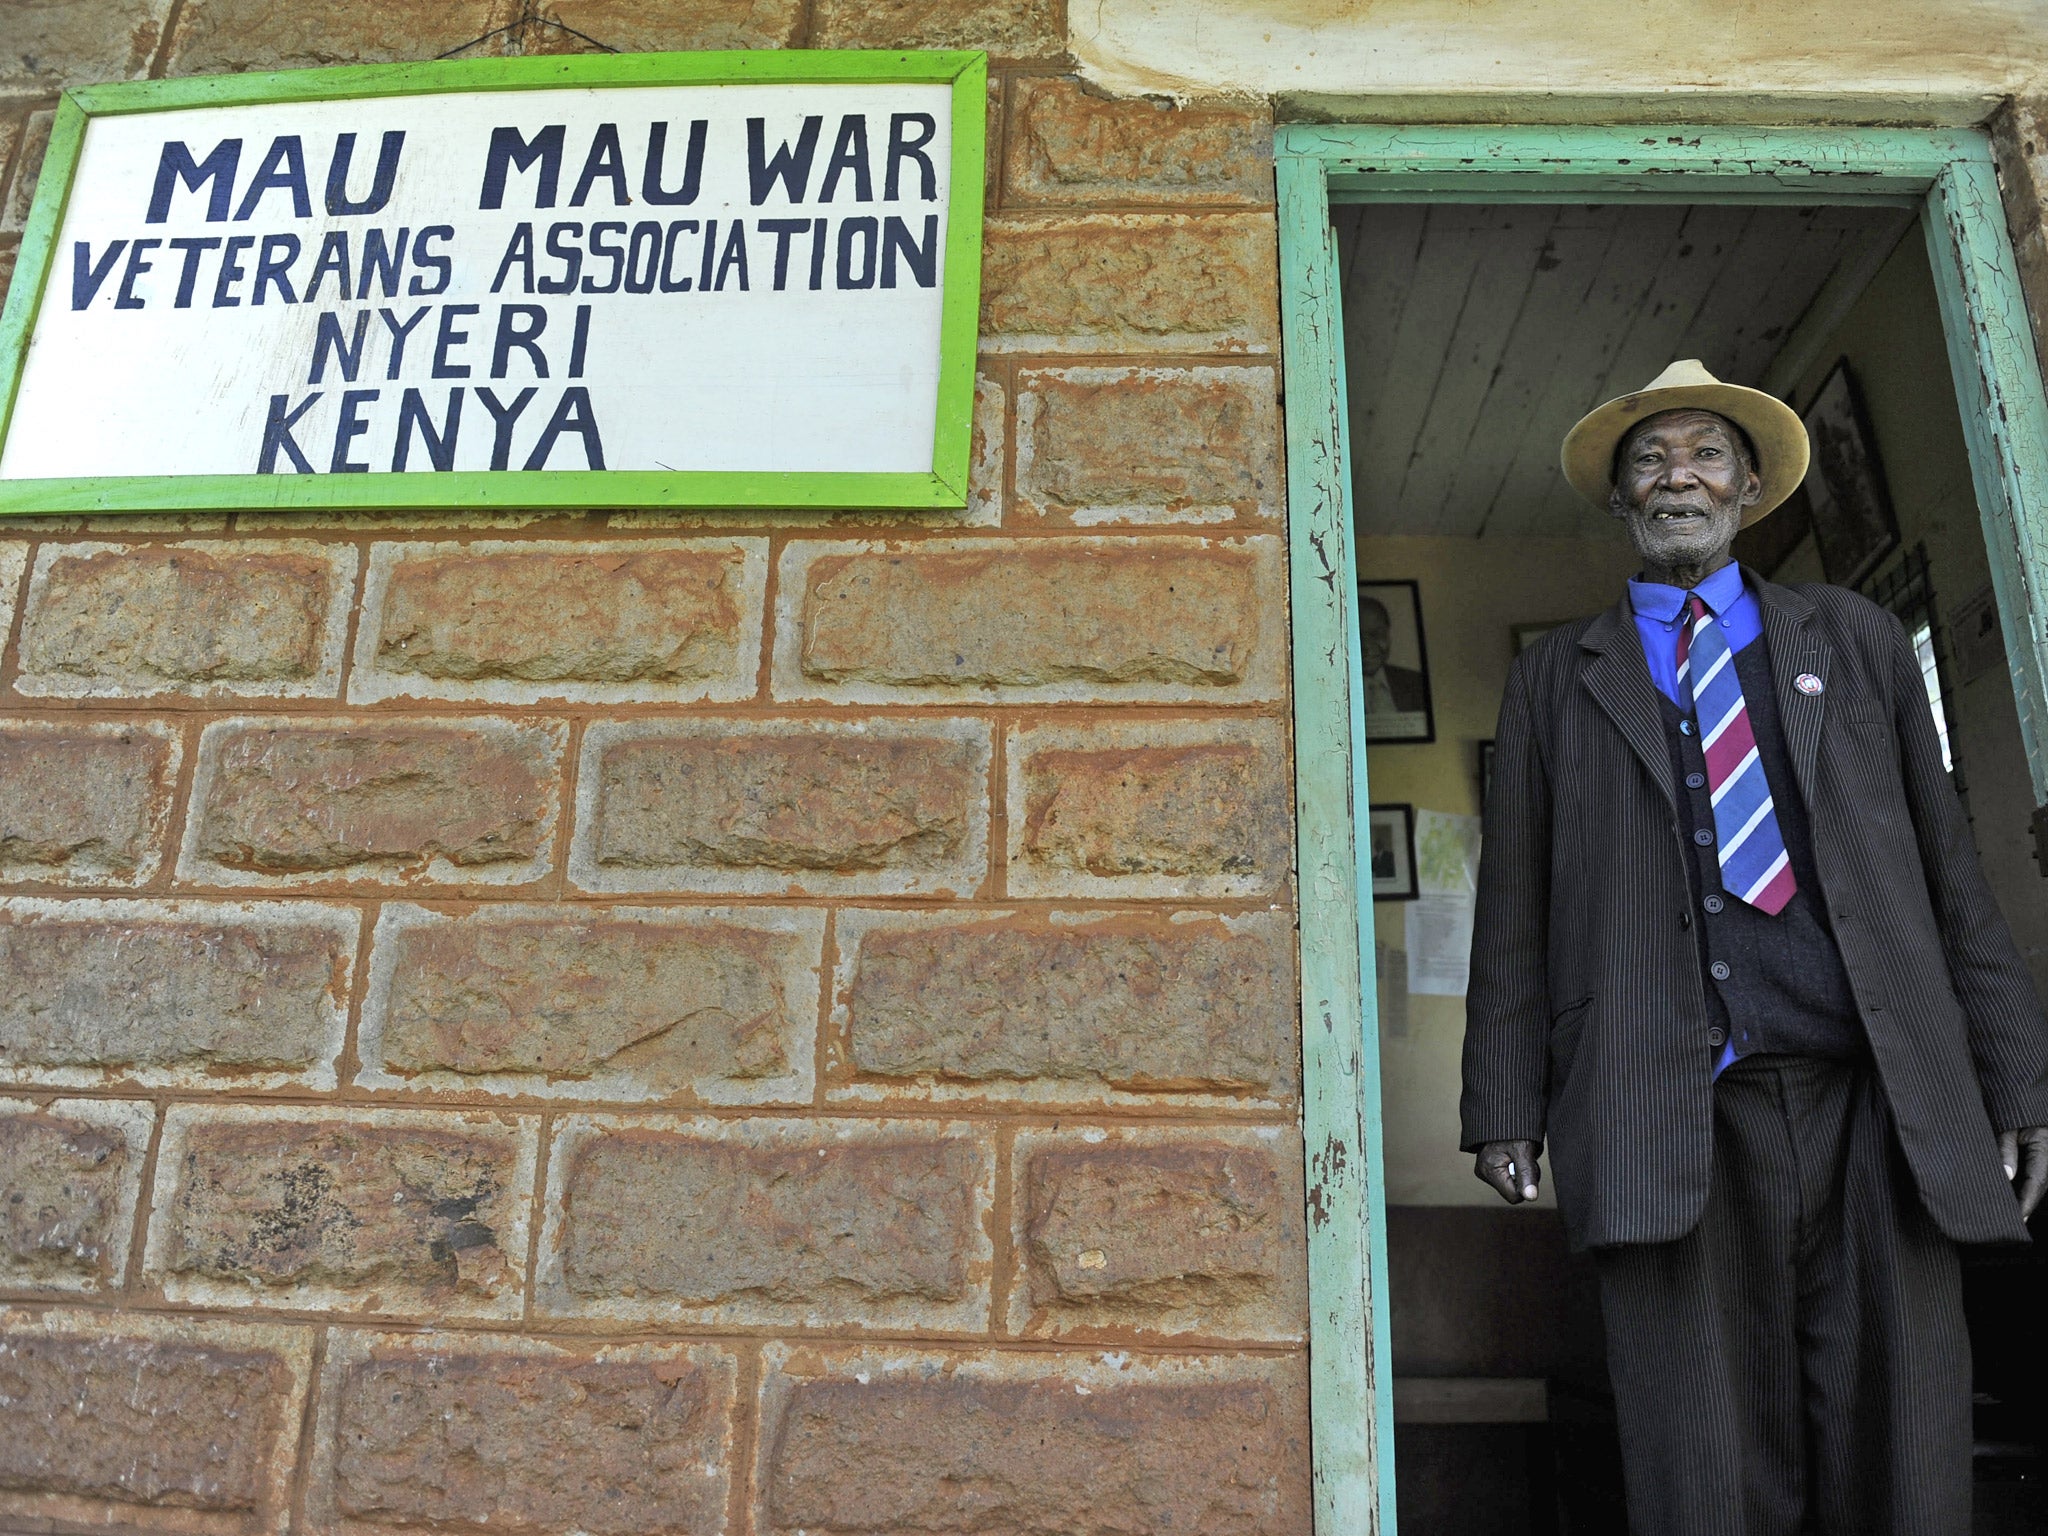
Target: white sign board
[[674, 281]]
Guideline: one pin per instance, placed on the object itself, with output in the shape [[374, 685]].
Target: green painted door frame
[[1947, 175]]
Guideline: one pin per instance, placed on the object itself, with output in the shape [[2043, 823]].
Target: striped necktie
[[1754, 865]]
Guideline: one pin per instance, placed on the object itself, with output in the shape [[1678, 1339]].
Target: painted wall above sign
[[687, 279]]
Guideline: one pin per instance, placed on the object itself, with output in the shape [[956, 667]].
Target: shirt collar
[[1655, 600]]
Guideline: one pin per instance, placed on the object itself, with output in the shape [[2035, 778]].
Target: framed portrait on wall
[[1395, 663], [1853, 525], [1391, 843]]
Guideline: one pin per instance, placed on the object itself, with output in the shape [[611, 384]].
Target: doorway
[[1437, 278]]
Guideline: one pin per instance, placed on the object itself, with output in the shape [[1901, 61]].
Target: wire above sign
[[733, 279]]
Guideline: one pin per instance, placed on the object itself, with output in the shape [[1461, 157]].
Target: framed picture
[[1853, 523], [1527, 635], [1392, 844], [1395, 662]]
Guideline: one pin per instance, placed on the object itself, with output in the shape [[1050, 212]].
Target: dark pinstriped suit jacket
[[1586, 1020]]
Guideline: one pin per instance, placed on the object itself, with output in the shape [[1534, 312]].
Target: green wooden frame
[[944, 486], [1948, 175]]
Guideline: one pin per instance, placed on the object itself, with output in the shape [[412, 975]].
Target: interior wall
[[1474, 591], [1893, 342]]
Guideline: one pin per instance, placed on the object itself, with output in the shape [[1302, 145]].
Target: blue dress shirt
[[1660, 609]]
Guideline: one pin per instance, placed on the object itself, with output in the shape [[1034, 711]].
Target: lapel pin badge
[[1808, 684]]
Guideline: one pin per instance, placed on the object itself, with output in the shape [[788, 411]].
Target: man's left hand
[[2025, 1156]]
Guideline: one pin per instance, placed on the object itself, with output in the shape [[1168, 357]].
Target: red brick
[[217, 37], [186, 994], [2019, 140], [1069, 146], [162, 1424], [1107, 1008], [716, 1007], [84, 804], [453, 801], [33, 136], [491, 1434], [69, 1174], [1152, 619], [1148, 445], [880, 1441], [1118, 282], [767, 807], [659, 26], [1178, 810], [386, 1211], [1009, 30], [878, 1223], [986, 460], [242, 617], [54, 44], [1161, 1232], [642, 621], [13, 562]]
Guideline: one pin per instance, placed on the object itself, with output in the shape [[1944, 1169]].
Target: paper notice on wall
[[1391, 969], [1446, 854], [1440, 919], [1439, 945]]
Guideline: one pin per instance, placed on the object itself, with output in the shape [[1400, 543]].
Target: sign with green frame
[[694, 280]]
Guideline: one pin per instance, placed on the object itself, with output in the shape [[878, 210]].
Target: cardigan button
[[1715, 1037], [1713, 902], [1720, 970]]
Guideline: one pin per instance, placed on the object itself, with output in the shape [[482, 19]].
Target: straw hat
[[1774, 429]]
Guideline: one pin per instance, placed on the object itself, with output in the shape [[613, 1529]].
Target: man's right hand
[[1510, 1167]]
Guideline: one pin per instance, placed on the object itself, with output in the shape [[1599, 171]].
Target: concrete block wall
[[709, 1022]]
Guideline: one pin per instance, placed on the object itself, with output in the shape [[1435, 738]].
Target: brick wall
[[2019, 140], [679, 1022]]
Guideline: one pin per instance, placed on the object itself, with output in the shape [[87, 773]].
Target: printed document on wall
[[1440, 919]]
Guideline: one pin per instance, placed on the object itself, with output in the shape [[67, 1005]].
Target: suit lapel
[[1619, 680], [1797, 649]]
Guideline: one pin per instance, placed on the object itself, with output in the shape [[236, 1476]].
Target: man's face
[[1681, 482], [1375, 635]]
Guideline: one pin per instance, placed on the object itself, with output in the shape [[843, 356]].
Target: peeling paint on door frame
[[1948, 175]]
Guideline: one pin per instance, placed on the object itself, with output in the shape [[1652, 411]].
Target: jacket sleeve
[[1507, 1003], [2008, 1034]]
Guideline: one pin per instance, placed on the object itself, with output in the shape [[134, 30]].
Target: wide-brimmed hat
[[1774, 429]]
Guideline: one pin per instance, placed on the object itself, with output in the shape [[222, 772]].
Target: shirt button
[[1695, 781], [1720, 970], [1703, 837], [1713, 903], [1715, 1037]]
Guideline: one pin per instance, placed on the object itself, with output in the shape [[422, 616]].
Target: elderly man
[[1736, 962]]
